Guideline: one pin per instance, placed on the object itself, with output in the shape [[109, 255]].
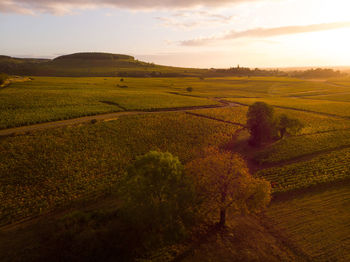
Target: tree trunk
[[222, 217], [282, 132], [222, 221]]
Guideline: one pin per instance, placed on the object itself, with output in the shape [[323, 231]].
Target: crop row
[[313, 123], [232, 114], [47, 99], [317, 222], [47, 169], [324, 168], [298, 146], [321, 106]]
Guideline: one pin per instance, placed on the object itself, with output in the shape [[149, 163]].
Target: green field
[[324, 168], [293, 147], [319, 223], [47, 170], [48, 99], [335, 108]]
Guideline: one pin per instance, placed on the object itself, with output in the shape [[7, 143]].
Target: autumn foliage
[[224, 185]]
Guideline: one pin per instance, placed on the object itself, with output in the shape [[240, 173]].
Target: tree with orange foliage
[[224, 184]]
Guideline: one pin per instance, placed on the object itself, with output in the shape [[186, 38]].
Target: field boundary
[[114, 104], [303, 110], [99, 117], [216, 119], [298, 159], [323, 132], [310, 190]]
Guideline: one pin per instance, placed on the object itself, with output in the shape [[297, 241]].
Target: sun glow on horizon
[[258, 33]]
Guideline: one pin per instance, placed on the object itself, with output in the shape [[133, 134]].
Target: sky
[[189, 33]]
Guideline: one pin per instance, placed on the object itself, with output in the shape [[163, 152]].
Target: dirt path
[[15, 79], [103, 117]]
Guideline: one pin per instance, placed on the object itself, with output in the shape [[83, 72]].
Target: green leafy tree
[[288, 125], [224, 185], [261, 123], [158, 197]]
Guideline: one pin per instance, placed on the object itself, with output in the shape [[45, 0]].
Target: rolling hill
[[90, 64]]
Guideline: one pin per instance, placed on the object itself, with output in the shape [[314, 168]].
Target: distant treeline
[[244, 71], [116, 65], [317, 73]]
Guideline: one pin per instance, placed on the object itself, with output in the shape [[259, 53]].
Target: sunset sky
[[191, 33]]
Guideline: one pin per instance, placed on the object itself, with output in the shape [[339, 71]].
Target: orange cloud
[[268, 32]]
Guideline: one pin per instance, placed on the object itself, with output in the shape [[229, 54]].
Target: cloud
[[66, 6], [267, 32], [192, 19], [10, 7]]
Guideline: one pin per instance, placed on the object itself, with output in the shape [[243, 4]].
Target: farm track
[[9, 82], [102, 117]]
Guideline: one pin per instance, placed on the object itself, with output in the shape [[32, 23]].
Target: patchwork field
[[46, 170], [47, 99], [319, 223], [333, 108]]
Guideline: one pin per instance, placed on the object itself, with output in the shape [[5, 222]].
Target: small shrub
[[189, 89], [3, 78]]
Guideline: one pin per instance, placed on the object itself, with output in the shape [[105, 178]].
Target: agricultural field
[[235, 114], [313, 123], [67, 166], [48, 169], [332, 108], [53, 169], [324, 168], [297, 146], [342, 97], [48, 99], [319, 223]]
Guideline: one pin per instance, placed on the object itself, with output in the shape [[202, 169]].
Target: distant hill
[[90, 64], [94, 56], [106, 64]]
